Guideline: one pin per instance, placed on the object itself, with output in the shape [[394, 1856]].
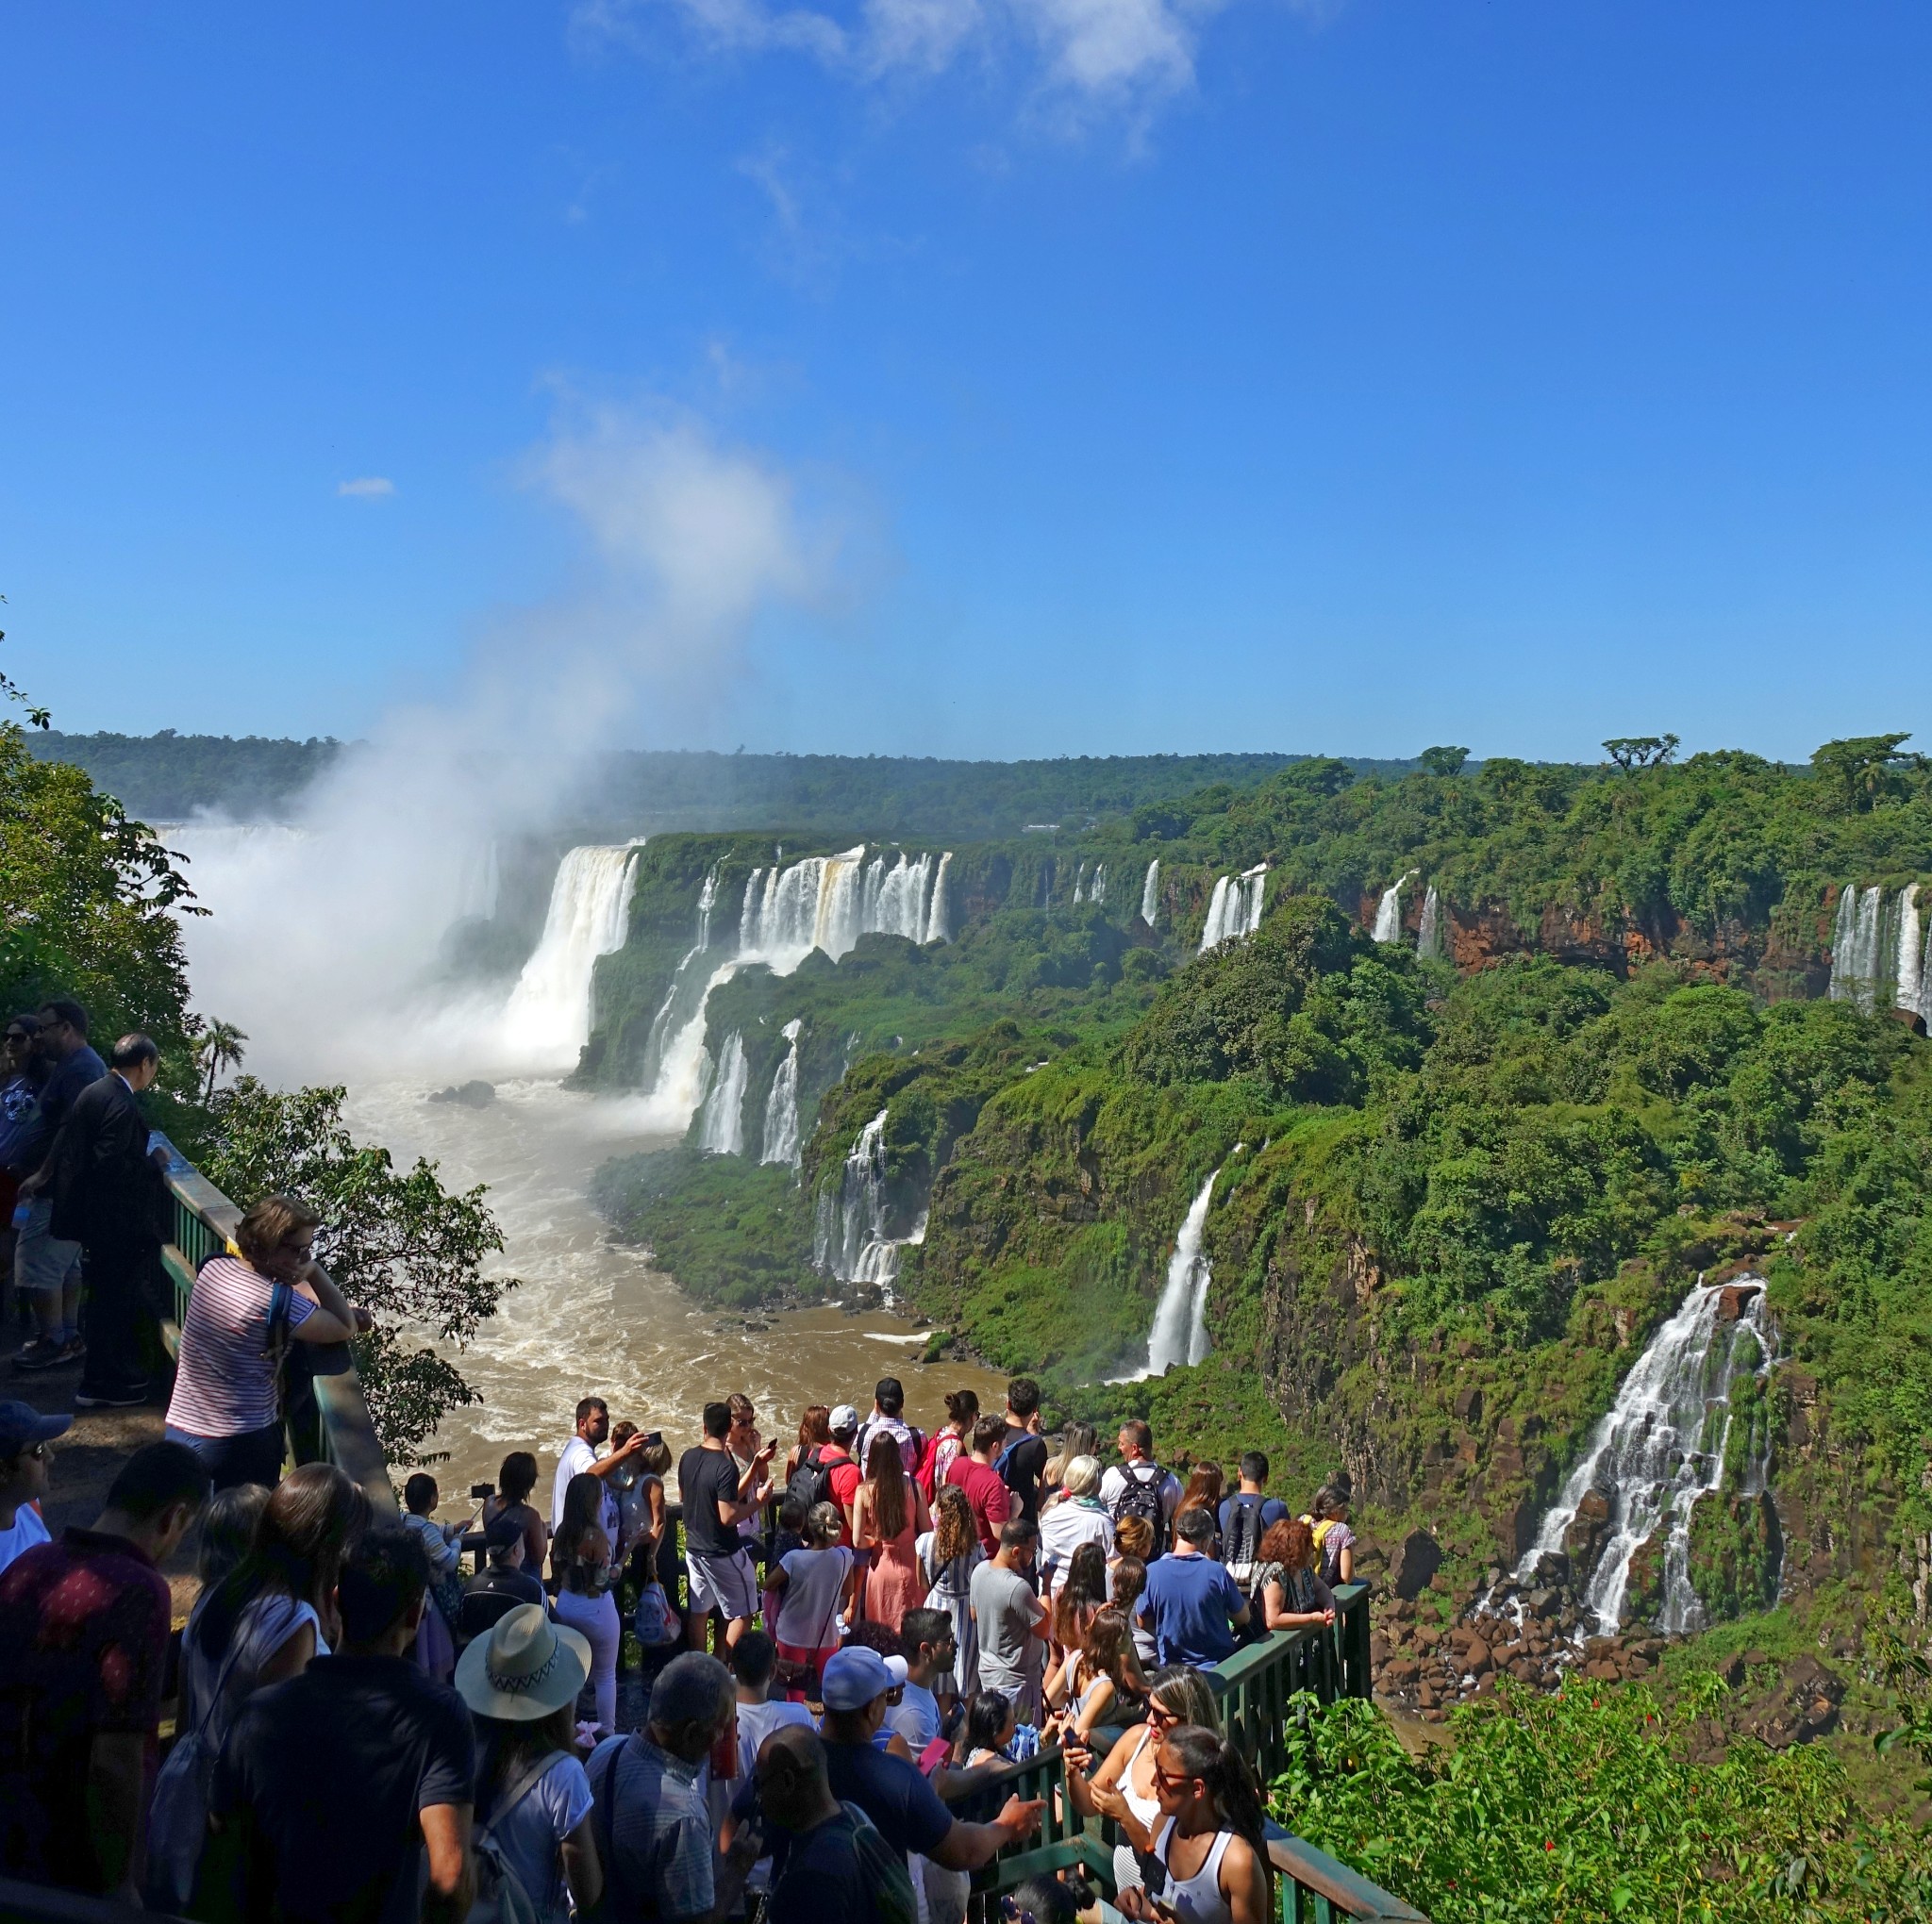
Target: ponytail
[[1223, 1769]]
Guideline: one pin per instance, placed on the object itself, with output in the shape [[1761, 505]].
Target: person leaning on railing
[[243, 1313]]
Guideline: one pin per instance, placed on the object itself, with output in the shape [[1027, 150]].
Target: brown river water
[[591, 1316]]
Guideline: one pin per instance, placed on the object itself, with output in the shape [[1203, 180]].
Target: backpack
[[1245, 1534], [655, 1623], [178, 1812], [882, 1870], [912, 1452], [1141, 1497], [811, 1482], [501, 1898]]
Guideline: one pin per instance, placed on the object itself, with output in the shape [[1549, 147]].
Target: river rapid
[[592, 1316]]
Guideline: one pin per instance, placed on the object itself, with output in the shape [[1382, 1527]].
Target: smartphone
[[654, 1439], [480, 1491]]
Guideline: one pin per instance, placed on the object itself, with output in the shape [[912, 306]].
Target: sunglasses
[[1169, 1781]]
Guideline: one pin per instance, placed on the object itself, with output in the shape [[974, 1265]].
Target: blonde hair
[[269, 1224], [1081, 1476]]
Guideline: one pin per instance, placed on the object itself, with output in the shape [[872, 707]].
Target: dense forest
[[1624, 1027]]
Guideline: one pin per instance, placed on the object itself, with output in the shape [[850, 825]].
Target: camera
[[480, 1491], [654, 1439]]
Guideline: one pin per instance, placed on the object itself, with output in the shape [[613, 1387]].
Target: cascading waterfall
[[849, 1241], [1909, 992], [655, 1045], [722, 1129], [1660, 1448], [1428, 939], [939, 924], [1388, 910], [781, 1109], [548, 1017], [1150, 900], [1096, 890], [1180, 1319], [1234, 910], [1855, 965]]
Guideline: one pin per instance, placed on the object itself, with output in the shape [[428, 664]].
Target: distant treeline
[[169, 777]]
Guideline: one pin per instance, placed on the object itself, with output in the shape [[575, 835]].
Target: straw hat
[[526, 1668]]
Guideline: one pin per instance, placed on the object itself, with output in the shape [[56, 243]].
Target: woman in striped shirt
[[226, 1405]]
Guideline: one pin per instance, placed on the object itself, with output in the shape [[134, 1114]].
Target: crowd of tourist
[[429, 1715]]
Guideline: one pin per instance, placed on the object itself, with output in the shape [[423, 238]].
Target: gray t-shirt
[[1003, 1606]]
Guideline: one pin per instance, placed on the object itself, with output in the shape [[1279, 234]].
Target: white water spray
[[1180, 1319], [849, 1241], [1388, 910], [547, 1018], [1429, 939], [722, 1129], [1234, 910], [1659, 1449], [1150, 899], [781, 1109]]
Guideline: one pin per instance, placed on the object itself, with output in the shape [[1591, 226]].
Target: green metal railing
[[1254, 1686], [204, 1226]]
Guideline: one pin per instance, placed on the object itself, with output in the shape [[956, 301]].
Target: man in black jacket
[[108, 1196]]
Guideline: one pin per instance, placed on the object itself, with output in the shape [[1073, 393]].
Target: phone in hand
[[654, 1439], [481, 1492]]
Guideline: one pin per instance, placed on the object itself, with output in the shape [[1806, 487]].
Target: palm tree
[[217, 1048]]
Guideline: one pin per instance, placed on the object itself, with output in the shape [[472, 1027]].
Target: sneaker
[[42, 1353], [112, 1400], [72, 1350]]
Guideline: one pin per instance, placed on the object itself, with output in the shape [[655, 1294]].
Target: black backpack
[[811, 1482], [1141, 1497], [1245, 1534]]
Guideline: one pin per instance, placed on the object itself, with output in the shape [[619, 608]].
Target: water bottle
[[21, 1210]]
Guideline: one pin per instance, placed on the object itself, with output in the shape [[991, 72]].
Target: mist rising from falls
[[668, 1020], [1234, 910], [1388, 910], [1660, 1448], [1180, 1319], [781, 1109], [1150, 897], [547, 1018], [722, 1129]]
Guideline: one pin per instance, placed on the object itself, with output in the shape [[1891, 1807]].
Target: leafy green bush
[[1586, 1806]]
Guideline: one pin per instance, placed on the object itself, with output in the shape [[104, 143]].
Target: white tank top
[[1147, 1810], [1197, 1900]]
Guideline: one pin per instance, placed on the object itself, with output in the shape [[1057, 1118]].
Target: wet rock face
[[1413, 1564], [1733, 1298]]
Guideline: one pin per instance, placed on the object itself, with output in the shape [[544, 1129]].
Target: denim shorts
[[43, 1262]]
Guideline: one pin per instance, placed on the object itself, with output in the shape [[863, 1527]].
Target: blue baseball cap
[[856, 1675], [21, 1426]]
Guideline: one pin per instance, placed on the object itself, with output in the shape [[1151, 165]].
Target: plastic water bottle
[[21, 1210]]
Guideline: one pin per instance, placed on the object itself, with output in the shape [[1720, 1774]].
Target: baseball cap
[[502, 1528], [854, 1676], [843, 1418], [20, 1425]]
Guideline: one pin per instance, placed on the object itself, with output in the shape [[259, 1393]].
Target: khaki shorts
[[43, 1262], [724, 1582]]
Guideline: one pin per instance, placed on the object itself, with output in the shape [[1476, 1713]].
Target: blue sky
[[1111, 375]]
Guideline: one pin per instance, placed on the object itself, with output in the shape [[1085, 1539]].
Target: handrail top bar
[[200, 1197], [1329, 1878]]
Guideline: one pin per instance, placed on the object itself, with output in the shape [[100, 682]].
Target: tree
[[400, 1244], [218, 1047], [1630, 751], [1443, 761], [1859, 770]]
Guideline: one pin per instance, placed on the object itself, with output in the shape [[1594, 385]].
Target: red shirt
[[846, 1478], [991, 1502], [83, 1652]]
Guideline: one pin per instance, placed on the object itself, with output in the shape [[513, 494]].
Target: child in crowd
[[790, 1536], [436, 1650]]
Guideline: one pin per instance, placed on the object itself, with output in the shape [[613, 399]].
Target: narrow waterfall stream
[[1180, 1319]]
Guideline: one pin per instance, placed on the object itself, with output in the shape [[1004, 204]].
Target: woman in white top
[[948, 1554], [226, 1405], [533, 1799], [813, 1584], [1077, 1517], [1211, 1842]]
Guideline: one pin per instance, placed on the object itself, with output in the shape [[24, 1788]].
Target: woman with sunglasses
[[1123, 1788], [1210, 1856]]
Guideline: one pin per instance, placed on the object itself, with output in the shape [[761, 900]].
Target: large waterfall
[[1180, 1319], [1388, 910], [849, 1241], [1878, 950], [1662, 1447], [781, 1108], [548, 1017], [939, 924], [1428, 940], [1150, 900], [722, 1132], [1234, 910]]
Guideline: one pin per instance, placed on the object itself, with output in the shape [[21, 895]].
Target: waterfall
[[480, 884], [939, 926], [1150, 900], [1234, 910], [1428, 940], [1660, 1448], [1180, 1319], [849, 1241], [1854, 950], [659, 1043], [1096, 890], [781, 1109], [1910, 977], [548, 1014], [895, 899], [1389, 911], [722, 1132], [1079, 883]]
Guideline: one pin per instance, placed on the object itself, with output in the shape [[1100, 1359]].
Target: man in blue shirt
[[1193, 1604], [1248, 1515], [47, 1269]]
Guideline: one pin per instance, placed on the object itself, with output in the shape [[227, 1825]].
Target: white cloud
[[1088, 55], [367, 487]]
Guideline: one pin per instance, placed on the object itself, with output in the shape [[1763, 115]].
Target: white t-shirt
[[27, 1531], [916, 1718], [575, 1460], [756, 1721], [1064, 1528], [1115, 1480], [809, 1618], [544, 1815]]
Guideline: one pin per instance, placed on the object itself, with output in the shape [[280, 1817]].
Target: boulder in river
[[472, 1095]]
